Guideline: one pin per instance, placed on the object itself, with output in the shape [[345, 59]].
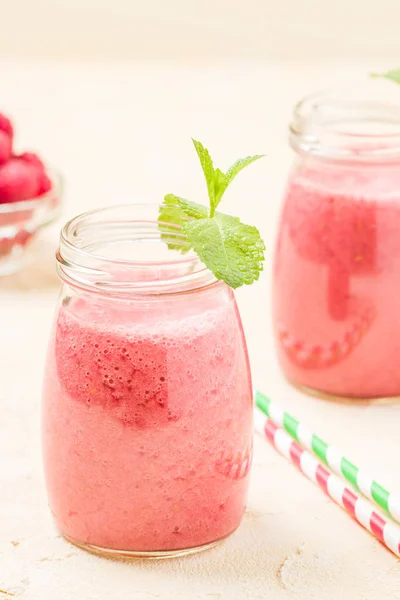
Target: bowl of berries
[[30, 198]]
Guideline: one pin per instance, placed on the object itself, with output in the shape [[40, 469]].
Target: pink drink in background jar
[[147, 417], [337, 262]]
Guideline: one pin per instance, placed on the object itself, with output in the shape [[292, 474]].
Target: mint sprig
[[393, 75], [233, 251], [173, 213]]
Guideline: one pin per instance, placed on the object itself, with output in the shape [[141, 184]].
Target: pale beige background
[[201, 30], [88, 85]]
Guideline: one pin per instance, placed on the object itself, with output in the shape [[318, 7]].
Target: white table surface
[[121, 133]]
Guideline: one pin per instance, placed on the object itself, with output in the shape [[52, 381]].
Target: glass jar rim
[[355, 124], [84, 260]]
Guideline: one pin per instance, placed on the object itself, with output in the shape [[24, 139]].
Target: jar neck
[[361, 125], [123, 251]]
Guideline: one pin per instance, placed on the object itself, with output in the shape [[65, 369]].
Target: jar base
[[344, 399], [151, 555]]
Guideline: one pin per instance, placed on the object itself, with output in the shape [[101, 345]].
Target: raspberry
[[6, 126], [33, 159], [5, 147], [19, 180], [45, 184]]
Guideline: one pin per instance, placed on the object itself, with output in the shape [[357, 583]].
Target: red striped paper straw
[[331, 457], [359, 509]]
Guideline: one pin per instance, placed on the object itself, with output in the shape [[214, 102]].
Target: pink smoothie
[[337, 280], [148, 421]]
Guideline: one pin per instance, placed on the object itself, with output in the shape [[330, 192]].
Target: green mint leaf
[[223, 180], [393, 75], [182, 209], [217, 180], [233, 251], [208, 170], [239, 165], [172, 214], [220, 185]]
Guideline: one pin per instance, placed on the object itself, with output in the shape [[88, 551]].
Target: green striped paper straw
[[331, 457]]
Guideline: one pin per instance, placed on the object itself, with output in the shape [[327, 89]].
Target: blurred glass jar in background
[[337, 260]]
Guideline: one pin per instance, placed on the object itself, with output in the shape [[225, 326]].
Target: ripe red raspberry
[[5, 147], [6, 126], [45, 184], [33, 159], [19, 180]]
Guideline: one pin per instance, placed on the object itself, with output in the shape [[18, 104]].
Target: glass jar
[[147, 414], [20, 222], [337, 261]]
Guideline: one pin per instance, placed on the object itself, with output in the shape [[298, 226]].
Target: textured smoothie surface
[[147, 422], [337, 280]]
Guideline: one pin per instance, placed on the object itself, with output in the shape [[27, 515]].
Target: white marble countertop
[[122, 133]]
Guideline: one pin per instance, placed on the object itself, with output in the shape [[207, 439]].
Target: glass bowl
[[21, 221]]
